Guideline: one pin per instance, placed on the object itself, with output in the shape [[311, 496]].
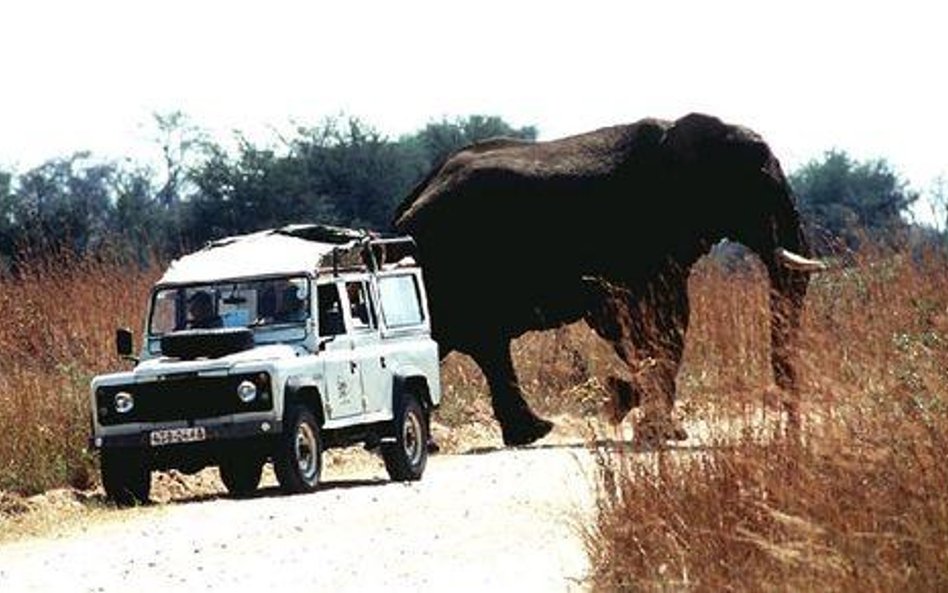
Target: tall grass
[[560, 372], [59, 318], [857, 502], [60, 315]]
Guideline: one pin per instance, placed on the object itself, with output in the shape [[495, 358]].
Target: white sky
[[866, 77]]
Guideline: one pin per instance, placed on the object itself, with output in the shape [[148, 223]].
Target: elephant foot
[[623, 397], [523, 433]]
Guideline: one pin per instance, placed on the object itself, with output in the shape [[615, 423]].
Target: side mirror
[[124, 342]]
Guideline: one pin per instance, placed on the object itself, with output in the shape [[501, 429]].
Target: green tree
[[362, 173], [255, 189], [64, 203], [342, 171], [180, 143], [939, 203], [144, 225], [844, 200], [7, 217]]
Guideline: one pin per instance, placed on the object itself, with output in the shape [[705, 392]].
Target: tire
[[126, 476], [297, 460], [241, 473], [405, 459]]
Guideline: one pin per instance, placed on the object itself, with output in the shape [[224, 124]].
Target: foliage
[[938, 199], [853, 501], [7, 221], [179, 141], [344, 172], [847, 200], [341, 172], [82, 205], [63, 202]]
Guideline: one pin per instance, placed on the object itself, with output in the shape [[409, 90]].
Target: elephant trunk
[[786, 256], [786, 305]]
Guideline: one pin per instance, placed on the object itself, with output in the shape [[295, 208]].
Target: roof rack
[[372, 253], [389, 250]]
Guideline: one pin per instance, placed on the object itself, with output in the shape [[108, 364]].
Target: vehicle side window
[[331, 321], [361, 308], [401, 300]]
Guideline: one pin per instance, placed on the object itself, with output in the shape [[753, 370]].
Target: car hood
[[165, 365]]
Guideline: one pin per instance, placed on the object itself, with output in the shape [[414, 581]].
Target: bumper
[[214, 432]]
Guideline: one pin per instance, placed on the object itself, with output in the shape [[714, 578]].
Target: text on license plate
[[171, 436]]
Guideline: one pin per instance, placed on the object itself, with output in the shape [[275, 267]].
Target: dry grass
[[858, 503], [60, 318], [559, 372]]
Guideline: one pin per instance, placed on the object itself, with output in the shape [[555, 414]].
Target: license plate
[[171, 436]]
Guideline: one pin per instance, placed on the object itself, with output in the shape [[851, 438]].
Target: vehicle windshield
[[255, 303]]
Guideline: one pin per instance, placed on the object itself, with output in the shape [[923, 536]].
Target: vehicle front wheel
[[241, 474], [297, 460], [405, 458], [126, 476]]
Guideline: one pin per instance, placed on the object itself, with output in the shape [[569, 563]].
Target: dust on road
[[500, 520]]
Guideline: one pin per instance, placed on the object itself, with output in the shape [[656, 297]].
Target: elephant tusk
[[797, 262]]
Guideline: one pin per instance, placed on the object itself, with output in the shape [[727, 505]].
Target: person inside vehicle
[[201, 313], [357, 305], [291, 305], [331, 322], [266, 305]]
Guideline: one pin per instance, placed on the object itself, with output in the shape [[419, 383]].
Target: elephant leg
[[647, 333], [443, 351], [518, 424], [656, 378]]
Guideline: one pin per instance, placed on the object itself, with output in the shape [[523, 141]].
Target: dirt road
[[502, 520]]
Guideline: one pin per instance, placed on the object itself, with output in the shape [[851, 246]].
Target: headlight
[[247, 391], [124, 402]]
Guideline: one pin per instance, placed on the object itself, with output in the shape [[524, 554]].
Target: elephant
[[515, 235]]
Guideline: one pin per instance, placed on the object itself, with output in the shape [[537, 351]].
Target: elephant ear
[[699, 139], [690, 137]]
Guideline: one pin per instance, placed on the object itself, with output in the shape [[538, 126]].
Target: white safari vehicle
[[272, 347]]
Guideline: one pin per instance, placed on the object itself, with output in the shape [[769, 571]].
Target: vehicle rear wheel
[[241, 473], [126, 476], [297, 460], [405, 459]]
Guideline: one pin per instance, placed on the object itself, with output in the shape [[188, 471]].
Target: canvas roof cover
[[288, 250]]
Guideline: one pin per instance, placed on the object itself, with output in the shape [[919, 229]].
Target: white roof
[[275, 251]]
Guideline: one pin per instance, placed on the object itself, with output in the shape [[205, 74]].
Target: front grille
[[183, 398]]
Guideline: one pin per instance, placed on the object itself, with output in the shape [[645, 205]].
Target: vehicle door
[[405, 333], [344, 394], [363, 328]]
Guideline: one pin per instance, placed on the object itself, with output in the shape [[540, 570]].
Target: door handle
[[382, 361], [353, 366]]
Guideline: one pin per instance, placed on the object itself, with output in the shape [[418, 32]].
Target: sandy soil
[[489, 520]]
